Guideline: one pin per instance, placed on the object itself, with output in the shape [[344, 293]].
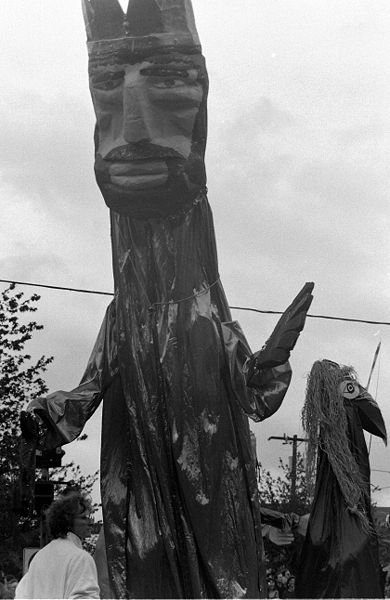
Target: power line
[[56, 287], [274, 312], [246, 308]]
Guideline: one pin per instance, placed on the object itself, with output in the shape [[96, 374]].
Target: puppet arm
[[62, 415], [277, 349], [260, 381], [269, 385]]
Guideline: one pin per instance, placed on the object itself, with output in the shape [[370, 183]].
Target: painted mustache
[[141, 151]]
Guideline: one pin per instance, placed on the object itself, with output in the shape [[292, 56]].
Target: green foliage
[[275, 492], [21, 380], [20, 377]]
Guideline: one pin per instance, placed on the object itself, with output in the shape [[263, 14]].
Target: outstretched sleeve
[[268, 386], [64, 414]]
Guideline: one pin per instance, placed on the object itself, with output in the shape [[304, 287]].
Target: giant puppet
[[179, 493], [340, 554]]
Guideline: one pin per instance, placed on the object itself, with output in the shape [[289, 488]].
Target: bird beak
[[370, 415]]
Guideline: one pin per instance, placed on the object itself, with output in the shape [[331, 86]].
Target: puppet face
[[150, 131]]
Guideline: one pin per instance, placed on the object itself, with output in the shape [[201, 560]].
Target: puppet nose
[[135, 117]]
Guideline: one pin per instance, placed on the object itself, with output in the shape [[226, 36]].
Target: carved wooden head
[[149, 87]]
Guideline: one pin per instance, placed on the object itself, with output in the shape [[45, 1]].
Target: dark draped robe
[[340, 557], [178, 484]]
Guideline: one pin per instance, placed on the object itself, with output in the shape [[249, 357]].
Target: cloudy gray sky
[[297, 159]]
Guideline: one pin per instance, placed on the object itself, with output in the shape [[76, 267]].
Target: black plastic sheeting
[[340, 557], [180, 500]]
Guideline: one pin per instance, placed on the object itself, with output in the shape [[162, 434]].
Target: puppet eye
[[108, 81], [349, 389]]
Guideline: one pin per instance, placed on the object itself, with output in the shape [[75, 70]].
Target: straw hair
[[325, 422]]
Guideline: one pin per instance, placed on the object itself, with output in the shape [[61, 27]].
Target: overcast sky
[[298, 175]]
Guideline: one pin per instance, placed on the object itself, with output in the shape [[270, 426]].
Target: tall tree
[[20, 377], [21, 380]]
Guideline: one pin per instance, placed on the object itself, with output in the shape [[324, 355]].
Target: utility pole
[[294, 441]]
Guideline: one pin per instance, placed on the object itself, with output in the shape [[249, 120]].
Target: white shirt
[[62, 569]]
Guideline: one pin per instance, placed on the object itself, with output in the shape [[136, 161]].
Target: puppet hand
[[280, 537], [276, 350]]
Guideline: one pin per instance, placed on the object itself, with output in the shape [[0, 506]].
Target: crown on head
[[169, 21]]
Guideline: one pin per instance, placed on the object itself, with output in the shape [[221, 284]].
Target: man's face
[[150, 131]]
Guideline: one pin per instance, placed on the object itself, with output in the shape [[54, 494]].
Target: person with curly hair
[[62, 569]]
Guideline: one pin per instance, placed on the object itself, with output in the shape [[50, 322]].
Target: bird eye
[[349, 389]]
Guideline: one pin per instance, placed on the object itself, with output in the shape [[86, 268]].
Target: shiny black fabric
[[339, 558], [180, 500], [192, 505]]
